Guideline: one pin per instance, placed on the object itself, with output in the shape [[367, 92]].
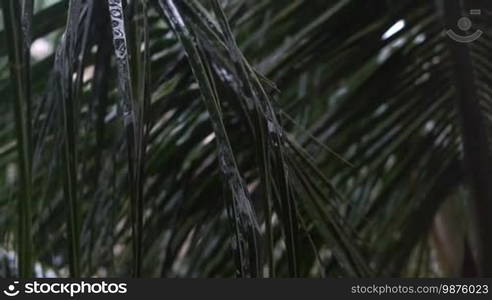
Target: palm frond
[[165, 138]]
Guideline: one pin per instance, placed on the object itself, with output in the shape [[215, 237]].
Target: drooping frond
[[244, 138]]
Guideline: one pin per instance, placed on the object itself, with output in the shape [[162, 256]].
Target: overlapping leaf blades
[[342, 165]]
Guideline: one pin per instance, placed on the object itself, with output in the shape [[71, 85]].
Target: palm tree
[[185, 138]]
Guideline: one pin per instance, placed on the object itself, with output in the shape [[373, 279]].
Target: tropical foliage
[[269, 138]]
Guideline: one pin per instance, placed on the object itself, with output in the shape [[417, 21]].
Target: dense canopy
[[250, 138]]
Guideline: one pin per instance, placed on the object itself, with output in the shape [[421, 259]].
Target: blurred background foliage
[[267, 138]]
